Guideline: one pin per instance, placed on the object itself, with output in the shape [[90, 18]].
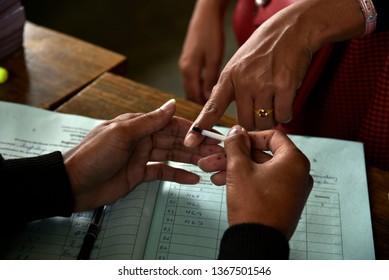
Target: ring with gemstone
[[263, 113]]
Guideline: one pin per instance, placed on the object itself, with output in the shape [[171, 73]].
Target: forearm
[[210, 8], [328, 21]]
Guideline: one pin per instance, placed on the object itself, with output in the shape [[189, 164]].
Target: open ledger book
[[165, 220]]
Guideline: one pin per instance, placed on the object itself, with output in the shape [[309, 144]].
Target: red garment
[[348, 99]]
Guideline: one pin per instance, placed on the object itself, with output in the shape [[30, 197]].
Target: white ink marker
[[209, 134]]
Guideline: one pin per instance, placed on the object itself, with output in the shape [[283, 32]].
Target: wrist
[[212, 8], [370, 15], [330, 21]]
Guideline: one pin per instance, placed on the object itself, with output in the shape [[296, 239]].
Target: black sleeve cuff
[[34, 188], [253, 242]]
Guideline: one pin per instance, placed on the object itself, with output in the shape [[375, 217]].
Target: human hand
[[114, 157], [203, 50], [268, 69], [261, 188]]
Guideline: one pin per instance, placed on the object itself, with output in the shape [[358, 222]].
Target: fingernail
[[189, 140], [235, 130], [288, 120], [169, 106]]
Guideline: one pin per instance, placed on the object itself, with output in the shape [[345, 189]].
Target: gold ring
[[263, 113]]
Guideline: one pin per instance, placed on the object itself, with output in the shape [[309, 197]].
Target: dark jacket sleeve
[[33, 188], [253, 242]]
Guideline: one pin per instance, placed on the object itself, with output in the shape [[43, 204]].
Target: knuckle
[[185, 66], [211, 108], [116, 130], [303, 165]]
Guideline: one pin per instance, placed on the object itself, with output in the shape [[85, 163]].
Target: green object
[[3, 75]]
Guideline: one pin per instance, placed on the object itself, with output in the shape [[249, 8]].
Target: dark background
[[149, 33]]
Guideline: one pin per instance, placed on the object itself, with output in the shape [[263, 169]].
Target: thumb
[[238, 149], [153, 121]]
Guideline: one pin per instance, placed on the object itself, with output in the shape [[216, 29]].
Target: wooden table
[[52, 67], [111, 95]]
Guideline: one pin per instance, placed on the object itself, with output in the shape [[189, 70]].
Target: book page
[[27, 131], [123, 232], [336, 222], [189, 220]]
